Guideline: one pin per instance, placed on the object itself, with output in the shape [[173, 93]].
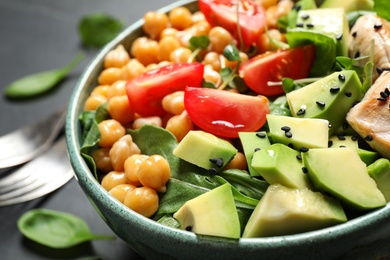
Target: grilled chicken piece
[[371, 117], [367, 28]]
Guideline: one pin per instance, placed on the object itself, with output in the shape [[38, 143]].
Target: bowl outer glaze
[[153, 240]]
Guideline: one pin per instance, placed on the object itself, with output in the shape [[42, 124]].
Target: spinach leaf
[[382, 8], [325, 49], [98, 29], [280, 106], [39, 83], [56, 229]]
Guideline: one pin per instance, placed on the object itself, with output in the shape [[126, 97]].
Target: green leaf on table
[[56, 229], [39, 83], [98, 29]]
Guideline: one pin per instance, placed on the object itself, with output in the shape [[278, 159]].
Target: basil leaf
[[39, 83], [98, 29], [56, 229]]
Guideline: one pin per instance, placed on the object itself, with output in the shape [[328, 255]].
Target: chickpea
[[143, 200], [212, 58], [238, 162], [132, 69], [168, 32], [232, 64], [155, 23], [167, 45], [180, 54], [121, 150], [110, 132], [264, 43], [119, 109], [153, 120], [273, 13], [154, 172], [119, 192], [219, 39], [174, 103], [145, 50], [118, 88], [131, 168], [180, 125], [267, 3], [116, 58], [199, 28], [180, 18], [110, 75], [100, 90], [210, 75], [102, 159], [93, 101], [198, 16], [112, 179]]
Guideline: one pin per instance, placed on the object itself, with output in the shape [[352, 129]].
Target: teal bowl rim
[[357, 227]]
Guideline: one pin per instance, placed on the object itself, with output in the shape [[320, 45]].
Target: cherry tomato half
[[292, 63], [225, 113], [224, 13], [146, 91]]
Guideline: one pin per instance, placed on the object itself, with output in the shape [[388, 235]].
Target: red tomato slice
[[146, 91], [225, 113], [292, 63], [223, 13]]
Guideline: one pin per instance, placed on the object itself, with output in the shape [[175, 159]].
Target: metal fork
[[26, 143], [39, 177]]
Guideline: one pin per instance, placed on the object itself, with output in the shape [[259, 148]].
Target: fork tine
[[24, 144], [38, 177]]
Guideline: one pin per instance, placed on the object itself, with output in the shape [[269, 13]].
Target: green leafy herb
[[280, 106], [98, 29], [39, 83], [56, 229], [382, 8], [197, 44], [231, 53]]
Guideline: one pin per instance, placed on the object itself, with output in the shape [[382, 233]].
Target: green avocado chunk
[[279, 164], [339, 141], [329, 98], [297, 132], [341, 173], [252, 141], [213, 213], [331, 22], [349, 5], [380, 172], [285, 211], [205, 150]]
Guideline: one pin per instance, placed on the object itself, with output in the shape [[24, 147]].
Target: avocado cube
[[349, 5], [279, 164], [341, 173], [340, 141], [367, 156], [205, 150], [380, 172], [331, 22], [213, 213], [252, 141], [297, 132], [285, 211], [329, 98]]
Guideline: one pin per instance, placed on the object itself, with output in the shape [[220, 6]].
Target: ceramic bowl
[[155, 241]]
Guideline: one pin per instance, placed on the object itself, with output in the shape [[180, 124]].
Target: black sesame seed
[[297, 7], [334, 90], [384, 94], [330, 125], [341, 77], [345, 125], [303, 149], [299, 157], [219, 162], [377, 26], [342, 146], [213, 171], [354, 34], [357, 54], [368, 138], [288, 134], [304, 169], [348, 94], [261, 134], [330, 143], [213, 160], [309, 25], [320, 103], [379, 70], [354, 138], [339, 36], [285, 128], [300, 25], [291, 145], [301, 111], [381, 99], [189, 228], [305, 16], [387, 91], [257, 149], [341, 137]]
